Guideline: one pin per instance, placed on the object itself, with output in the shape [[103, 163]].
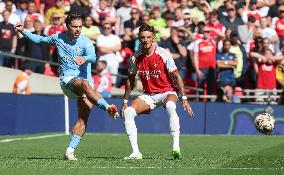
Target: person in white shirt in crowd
[[31, 11], [21, 11], [109, 46], [13, 18], [122, 15], [269, 32]]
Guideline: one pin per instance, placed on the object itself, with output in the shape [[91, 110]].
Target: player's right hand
[[19, 27], [124, 106]]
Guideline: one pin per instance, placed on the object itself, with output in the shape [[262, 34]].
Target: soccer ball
[[264, 123]]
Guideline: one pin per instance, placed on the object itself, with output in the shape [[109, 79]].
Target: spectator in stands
[[45, 5], [246, 32], [227, 36], [102, 79], [274, 9], [29, 24], [177, 47], [91, 31], [58, 8], [189, 23], [252, 10], [157, 22], [217, 29], [198, 11], [123, 14], [13, 19], [22, 83], [82, 7], [109, 46], [37, 51], [278, 23], [266, 66], [103, 11], [32, 12], [231, 21], [205, 61], [226, 62], [170, 7], [241, 55], [151, 4], [166, 32], [55, 27], [269, 32], [129, 25], [21, 11], [178, 18], [8, 40]]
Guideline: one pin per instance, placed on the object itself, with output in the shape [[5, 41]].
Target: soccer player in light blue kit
[[76, 53]]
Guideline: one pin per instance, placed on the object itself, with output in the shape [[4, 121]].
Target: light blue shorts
[[67, 86]]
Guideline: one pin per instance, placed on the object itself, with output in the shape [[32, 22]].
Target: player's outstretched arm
[[33, 37], [129, 86], [180, 85]]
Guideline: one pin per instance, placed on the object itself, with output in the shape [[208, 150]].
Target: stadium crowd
[[219, 46]]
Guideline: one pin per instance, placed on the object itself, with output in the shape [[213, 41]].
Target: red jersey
[[154, 70], [279, 27], [55, 29], [206, 53], [217, 26], [266, 76]]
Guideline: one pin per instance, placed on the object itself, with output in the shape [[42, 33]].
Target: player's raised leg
[[84, 108], [170, 104], [83, 87], [137, 107]]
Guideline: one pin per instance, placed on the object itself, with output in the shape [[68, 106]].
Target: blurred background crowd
[[220, 46]]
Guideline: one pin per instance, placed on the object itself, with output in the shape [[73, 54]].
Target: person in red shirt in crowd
[[266, 66], [217, 28], [205, 61], [103, 10], [279, 23], [251, 11], [161, 81], [55, 27]]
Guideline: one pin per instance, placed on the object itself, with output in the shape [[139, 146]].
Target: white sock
[[69, 149], [174, 123], [130, 127]]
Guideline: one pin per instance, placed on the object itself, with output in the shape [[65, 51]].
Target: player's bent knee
[[171, 108], [129, 113], [85, 85]]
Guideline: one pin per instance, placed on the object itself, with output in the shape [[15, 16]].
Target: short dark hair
[[73, 16], [251, 19], [146, 27]]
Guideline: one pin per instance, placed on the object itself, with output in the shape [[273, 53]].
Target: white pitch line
[[31, 138], [197, 168]]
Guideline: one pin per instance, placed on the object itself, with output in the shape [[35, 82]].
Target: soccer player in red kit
[[161, 81]]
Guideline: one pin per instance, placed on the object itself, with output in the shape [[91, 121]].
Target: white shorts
[[67, 86], [156, 100]]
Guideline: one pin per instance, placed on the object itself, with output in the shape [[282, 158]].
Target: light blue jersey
[[68, 51]]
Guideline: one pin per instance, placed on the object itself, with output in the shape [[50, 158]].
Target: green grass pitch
[[103, 154]]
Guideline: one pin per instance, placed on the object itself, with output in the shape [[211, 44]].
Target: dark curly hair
[[146, 27], [73, 16]]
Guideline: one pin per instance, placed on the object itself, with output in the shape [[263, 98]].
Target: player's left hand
[[187, 107], [80, 60]]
